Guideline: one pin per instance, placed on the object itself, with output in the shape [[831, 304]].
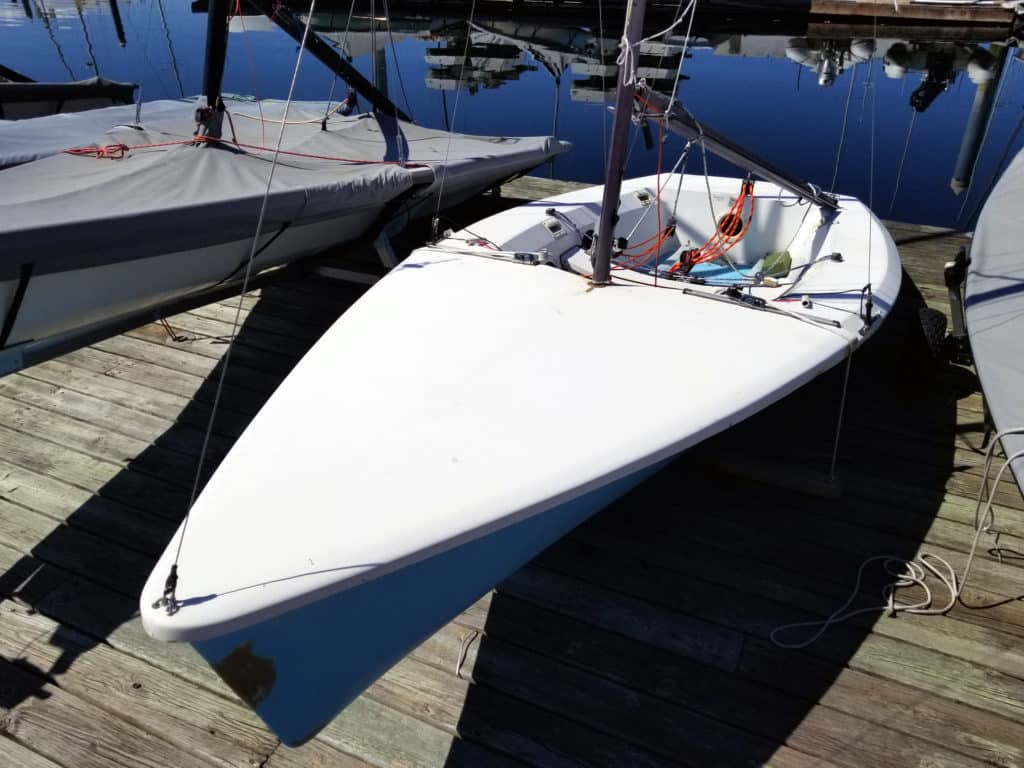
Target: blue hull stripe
[[300, 669]]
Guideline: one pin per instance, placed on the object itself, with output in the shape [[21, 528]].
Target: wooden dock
[[641, 639]]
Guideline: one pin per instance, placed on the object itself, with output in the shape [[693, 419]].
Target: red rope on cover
[[120, 151]]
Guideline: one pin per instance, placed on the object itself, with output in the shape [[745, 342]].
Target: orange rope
[[716, 245], [719, 244]]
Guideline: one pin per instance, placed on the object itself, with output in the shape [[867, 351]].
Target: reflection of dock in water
[[481, 64], [726, 14], [499, 51]]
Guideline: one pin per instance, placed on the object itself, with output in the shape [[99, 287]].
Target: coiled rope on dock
[[916, 572]]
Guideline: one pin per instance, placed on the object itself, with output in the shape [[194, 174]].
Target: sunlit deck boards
[[641, 639]]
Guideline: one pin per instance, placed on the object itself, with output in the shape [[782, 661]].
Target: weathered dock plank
[[641, 639], [215, 728], [74, 732], [14, 755]]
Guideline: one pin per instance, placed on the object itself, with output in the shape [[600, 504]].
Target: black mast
[[624, 95], [288, 22], [681, 122], [210, 113]]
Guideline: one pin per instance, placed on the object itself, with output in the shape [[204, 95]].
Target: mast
[[329, 57], [624, 96], [682, 122], [210, 111]]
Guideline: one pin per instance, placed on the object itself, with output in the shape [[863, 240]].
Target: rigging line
[[903, 157], [252, 71], [661, 58], [455, 111], [1000, 167], [682, 173], [720, 239], [241, 296], [673, 25], [1003, 72], [682, 60], [871, 168], [398, 68], [345, 53], [842, 411], [373, 44], [170, 48], [604, 84], [144, 35], [842, 133], [661, 189]]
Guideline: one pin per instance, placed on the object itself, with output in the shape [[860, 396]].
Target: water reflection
[[947, 102]]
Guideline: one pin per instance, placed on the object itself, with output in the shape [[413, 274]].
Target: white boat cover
[[995, 306], [61, 211]]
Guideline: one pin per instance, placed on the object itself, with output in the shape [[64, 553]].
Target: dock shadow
[[644, 637], [87, 573]]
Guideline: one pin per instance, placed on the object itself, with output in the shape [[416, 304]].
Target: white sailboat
[[491, 393]]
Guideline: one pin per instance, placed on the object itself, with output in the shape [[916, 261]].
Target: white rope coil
[[908, 573]]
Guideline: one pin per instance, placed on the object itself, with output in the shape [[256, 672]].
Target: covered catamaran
[[110, 214], [495, 390]]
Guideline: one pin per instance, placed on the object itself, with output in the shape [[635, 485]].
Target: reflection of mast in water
[[170, 47], [984, 69], [45, 16], [115, 12], [88, 41], [27, 8]]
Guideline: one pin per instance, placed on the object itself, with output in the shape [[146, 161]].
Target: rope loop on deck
[[107, 152], [907, 573]]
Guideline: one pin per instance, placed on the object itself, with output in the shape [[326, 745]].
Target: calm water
[[783, 96]]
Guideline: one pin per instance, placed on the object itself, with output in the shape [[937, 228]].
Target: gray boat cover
[[22, 100], [60, 211], [995, 306]]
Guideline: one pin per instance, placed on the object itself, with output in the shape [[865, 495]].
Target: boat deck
[[641, 639]]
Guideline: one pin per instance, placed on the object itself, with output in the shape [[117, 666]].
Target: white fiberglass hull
[[469, 410]]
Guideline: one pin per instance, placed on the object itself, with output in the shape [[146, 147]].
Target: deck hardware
[[171, 333], [167, 600], [554, 226], [954, 275], [867, 306]]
